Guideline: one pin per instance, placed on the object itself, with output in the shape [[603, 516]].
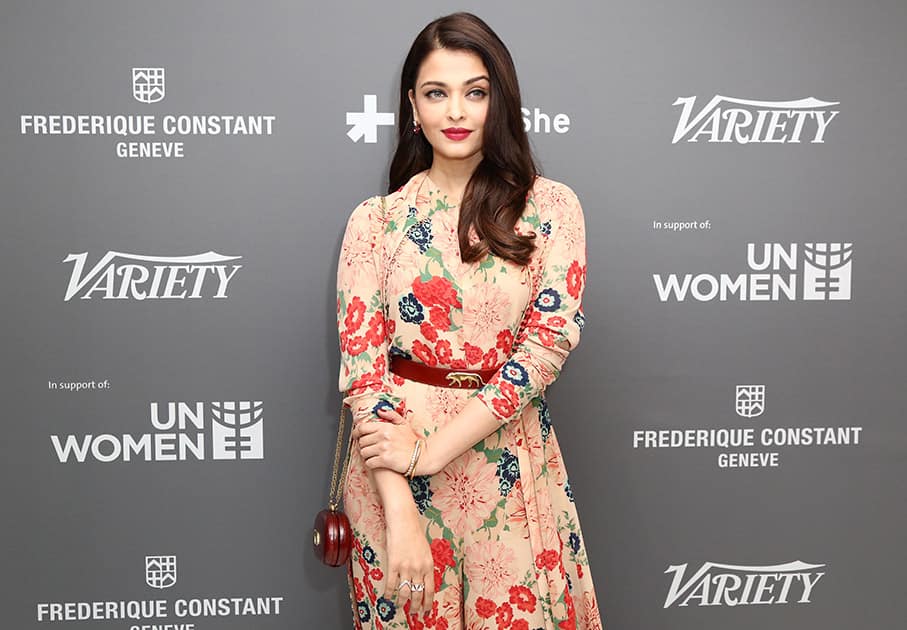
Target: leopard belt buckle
[[458, 379]]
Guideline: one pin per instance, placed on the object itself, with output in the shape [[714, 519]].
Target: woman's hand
[[409, 558], [390, 444]]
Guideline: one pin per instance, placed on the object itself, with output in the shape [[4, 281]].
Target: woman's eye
[[434, 93], [479, 93]]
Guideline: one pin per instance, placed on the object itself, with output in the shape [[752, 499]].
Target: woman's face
[[450, 101]]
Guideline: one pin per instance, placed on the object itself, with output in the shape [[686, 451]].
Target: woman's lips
[[456, 134]]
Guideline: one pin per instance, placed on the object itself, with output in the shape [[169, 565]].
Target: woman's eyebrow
[[467, 82]]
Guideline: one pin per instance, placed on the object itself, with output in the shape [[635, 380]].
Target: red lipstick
[[456, 133]]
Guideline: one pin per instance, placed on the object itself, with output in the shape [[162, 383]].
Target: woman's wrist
[[429, 458]]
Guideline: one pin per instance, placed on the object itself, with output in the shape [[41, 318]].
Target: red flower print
[[412, 619], [424, 353], [344, 337], [376, 329], [391, 326], [579, 570], [441, 624], [547, 559], [556, 321], [485, 607], [356, 345], [575, 276], [508, 390], [439, 317], [503, 407], [359, 592], [520, 624], [428, 331], [442, 553], [490, 358], [504, 616], [546, 337], [380, 365], [439, 578], [443, 350], [522, 598], [473, 353], [438, 291], [377, 574], [505, 341], [355, 314], [458, 364], [570, 622], [370, 589]]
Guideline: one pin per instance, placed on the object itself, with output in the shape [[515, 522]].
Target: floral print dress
[[501, 518]]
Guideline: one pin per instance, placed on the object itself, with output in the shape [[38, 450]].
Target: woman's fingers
[[429, 594], [393, 576]]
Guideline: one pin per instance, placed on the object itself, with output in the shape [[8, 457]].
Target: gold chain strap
[[334, 498]]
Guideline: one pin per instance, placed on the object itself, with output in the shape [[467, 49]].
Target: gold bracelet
[[412, 464]]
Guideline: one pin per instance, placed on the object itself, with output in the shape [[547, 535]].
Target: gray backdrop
[[677, 530]]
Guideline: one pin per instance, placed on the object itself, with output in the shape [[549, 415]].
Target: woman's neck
[[453, 175]]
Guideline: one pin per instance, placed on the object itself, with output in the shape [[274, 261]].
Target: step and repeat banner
[[176, 178]]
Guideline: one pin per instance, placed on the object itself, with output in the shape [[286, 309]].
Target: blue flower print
[[410, 309], [549, 300], [386, 609], [394, 351], [381, 404], [515, 373], [369, 554], [362, 609], [574, 542], [420, 234], [422, 493], [569, 491], [508, 471], [545, 228], [544, 419], [580, 319], [412, 211]]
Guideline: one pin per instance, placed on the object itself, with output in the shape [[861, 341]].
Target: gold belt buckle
[[459, 378]]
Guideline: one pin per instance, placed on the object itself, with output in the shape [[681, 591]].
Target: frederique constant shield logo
[[750, 400], [148, 84], [160, 571]]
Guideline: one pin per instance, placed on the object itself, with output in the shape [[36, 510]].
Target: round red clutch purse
[[332, 537]]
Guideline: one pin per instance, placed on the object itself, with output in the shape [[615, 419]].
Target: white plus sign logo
[[365, 123]]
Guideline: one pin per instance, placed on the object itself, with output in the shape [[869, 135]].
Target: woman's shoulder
[[379, 205], [554, 199]]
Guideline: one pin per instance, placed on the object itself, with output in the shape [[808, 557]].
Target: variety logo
[[743, 121], [148, 84], [229, 430], [750, 400], [121, 276], [825, 276], [160, 571], [716, 584]]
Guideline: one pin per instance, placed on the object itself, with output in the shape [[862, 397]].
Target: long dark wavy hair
[[495, 195]]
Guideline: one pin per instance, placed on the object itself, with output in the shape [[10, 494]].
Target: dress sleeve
[[554, 318], [364, 379]]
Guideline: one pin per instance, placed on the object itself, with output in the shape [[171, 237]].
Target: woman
[[459, 298]]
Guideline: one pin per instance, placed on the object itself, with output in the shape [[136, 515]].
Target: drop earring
[[416, 127]]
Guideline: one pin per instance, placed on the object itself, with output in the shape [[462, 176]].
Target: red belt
[[441, 377]]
